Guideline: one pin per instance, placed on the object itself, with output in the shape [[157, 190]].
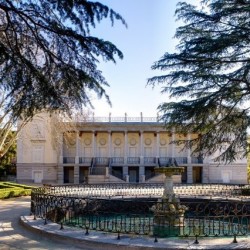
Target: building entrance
[[197, 174], [68, 173], [133, 174], [184, 176], [83, 174]]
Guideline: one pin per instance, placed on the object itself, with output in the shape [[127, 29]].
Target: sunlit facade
[[113, 150]]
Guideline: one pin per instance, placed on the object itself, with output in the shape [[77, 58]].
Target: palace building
[[112, 150]]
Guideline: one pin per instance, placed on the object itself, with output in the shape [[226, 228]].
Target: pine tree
[[208, 77], [48, 58]]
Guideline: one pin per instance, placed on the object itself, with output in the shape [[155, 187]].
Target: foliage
[[8, 190], [8, 184], [208, 77], [48, 57], [7, 135], [6, 161]]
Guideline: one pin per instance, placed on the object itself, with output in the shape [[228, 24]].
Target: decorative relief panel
[[117, 141], [132, 141], [102, 141], [163, 142], [87, 141], [148, 141]]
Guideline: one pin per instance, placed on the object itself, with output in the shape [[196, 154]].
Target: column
[[61, 149], [190, 174], [93, 144], [189, 150], [142, 167], [205, 173], [173, 145], [125, 171], [157, 143], [142, 173], [109, 144], [125, 166], [76, 174], [141, 147], [60, 174], [77, 148], [125, 147]]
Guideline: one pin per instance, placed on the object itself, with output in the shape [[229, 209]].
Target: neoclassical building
[[112, 150]]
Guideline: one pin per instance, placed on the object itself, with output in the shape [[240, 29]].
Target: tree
[[7, 162], [64, 128], [48, 58], [209, 77], [7, 133]]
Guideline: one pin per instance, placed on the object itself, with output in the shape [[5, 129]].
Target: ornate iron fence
[[148, 190], [133, 215]]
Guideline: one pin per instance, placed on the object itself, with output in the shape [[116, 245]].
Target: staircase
[[100, 172], [98, 179]]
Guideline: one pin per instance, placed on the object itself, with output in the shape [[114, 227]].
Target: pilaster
[[60, 174], [189, 158], [173, 145], [142, 173], [125, 147], [141, 148], [205, 173], [76, 174], [77, 148], [61, 149], [109, 144], [93, 144], [190, 174]]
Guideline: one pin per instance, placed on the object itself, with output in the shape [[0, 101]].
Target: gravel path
[[14, 236]]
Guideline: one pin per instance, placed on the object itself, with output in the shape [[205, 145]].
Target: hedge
[[16, 185], [14, 192], [8, 189]]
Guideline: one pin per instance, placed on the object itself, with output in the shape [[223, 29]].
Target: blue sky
[[150, 32]]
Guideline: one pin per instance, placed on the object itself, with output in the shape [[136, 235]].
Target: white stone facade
[[112, 150]]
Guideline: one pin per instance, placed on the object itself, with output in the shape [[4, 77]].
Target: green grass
[[9, 189]]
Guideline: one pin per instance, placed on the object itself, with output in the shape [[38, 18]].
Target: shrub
[[17, 185], [14, 192], [8, 190]]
